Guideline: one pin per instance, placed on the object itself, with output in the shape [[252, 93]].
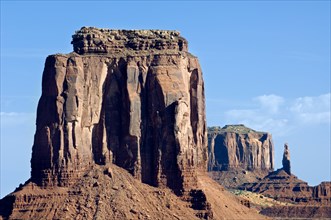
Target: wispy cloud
[[279, 116], [312, 109], [271, 103]]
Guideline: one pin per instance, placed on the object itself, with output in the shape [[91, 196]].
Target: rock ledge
[[102, 41]]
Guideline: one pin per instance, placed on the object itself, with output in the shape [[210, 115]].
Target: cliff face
[[132, 98], [123, 99], [322, 192], [238, 147]]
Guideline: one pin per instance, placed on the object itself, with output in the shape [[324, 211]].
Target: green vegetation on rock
[[239, 128]]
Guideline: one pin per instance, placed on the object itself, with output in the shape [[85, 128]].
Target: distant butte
[[236, 146], [237, 156]]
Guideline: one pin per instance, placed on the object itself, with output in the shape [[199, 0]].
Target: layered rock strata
[[286, 187], [128, 97], [302, 200], [298, 212], [110, 192], [124, 42], [236, 147], [289, 188]]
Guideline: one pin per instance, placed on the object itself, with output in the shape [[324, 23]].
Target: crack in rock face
[[127, 107], [236, 147], [134, 98]]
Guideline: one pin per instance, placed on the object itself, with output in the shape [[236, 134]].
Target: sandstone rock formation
[[238, 147], [305, 201], [286, 160], [289, 188], [298, 212], [279, 184], [123, 102], [237, 160], [128, 42], [129, 97], [322, 193]]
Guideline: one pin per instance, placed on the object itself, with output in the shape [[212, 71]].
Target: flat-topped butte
[[90, 40]]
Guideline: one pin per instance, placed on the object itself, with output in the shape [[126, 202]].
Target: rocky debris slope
[[224, 204], [129, 97], [110, 192], [238, 154], [232, 179], [104, 192], [306, 201], [281, 186], [239, 173], [258, 201], [286, 187]]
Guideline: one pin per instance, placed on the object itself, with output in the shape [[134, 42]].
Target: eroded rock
[[286, 160], [236, 147], [139, 105]]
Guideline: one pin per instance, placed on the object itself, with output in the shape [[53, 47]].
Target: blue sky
[[265, 64]]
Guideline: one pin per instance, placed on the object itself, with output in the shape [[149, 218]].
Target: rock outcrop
[[289, 188], [298, 212], [236, 147], [129, 97], [279, 184], [322, 193], [286, 160], [128, 42], [305, 201], [126, 108]]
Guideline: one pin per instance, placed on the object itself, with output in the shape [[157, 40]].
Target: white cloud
[[270, 103], [315, 118], [312, 109], [279, 116]]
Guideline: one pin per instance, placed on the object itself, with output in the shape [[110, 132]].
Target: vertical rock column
[[286, 160]]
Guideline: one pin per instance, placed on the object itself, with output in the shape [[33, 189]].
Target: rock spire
[[286, 160]]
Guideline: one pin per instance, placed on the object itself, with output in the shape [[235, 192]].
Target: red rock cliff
[[236, 146], [128, 97]]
